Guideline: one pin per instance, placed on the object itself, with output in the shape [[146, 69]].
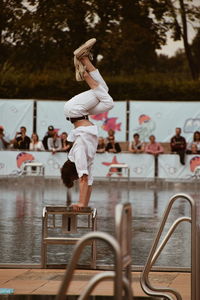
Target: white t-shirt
[[36, 147], [83, 151]]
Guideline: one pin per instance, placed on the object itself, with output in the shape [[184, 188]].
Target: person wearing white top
[[54, 143], [85, 135], [35, 144]]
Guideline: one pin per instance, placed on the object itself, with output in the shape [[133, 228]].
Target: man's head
[[136, 137], [69, 173], [152, 138], [23, 130], [178, 131], [51, 130]]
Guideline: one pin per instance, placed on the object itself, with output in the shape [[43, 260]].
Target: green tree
[[175, 16], [130, 42], [196, 50], [10, 13]]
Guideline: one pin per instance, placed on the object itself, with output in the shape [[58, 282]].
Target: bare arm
[[84, 191]]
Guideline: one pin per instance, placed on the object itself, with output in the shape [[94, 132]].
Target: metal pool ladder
[[155, 251], [121, 247]]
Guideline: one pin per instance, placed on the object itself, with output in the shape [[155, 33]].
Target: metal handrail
[[111, 241], [103, 276], [155, 251], [121, 246], [167, 237], [123, 232]]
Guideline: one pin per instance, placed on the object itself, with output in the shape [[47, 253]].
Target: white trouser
[[91, 102]]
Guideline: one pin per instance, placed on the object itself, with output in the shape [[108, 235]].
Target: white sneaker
[[84, 50], [79, 69]]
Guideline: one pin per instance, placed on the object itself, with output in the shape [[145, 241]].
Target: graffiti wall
[[51, 113], [114, 119], [141, 166], [145, 117], [161, 119]]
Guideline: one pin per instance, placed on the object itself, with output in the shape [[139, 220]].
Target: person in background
[[153, 147], [111, 133], [196, 141], [49, 134], [101, 147], [35, 144], [112, 146], [193, 150], [66, 145], [136, 146], [21, 141], [54, 143], [4, 140], [178, 145]]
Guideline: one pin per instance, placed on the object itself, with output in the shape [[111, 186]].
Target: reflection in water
[[22, 201]]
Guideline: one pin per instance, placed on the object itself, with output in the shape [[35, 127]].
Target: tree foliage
[[37, 36], [175, 17]]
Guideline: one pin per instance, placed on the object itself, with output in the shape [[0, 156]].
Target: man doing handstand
[[85, 135]]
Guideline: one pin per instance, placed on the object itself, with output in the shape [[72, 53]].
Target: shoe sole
[[84, 49]]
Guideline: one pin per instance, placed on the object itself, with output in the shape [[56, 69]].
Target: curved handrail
[[100, 277], [111, 241], [168, 235], [145, 283]]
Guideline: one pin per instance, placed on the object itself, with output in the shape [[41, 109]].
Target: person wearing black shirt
[[178, 145], [21, 140], [49, 134], [112, 146]]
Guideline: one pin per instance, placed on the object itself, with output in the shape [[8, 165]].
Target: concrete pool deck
[[47, 282]]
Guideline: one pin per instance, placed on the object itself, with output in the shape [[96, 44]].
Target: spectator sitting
[[196, 141], [112, 146], [54, 143], [4, 140], [178, 145], [136, 146], [111, 132], [153, 147], [35, 144], [101, 148], [193, 150], [49, 134], [66, 145], [21, 140]]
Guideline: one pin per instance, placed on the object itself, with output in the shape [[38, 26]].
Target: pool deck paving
[[47, 282]]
